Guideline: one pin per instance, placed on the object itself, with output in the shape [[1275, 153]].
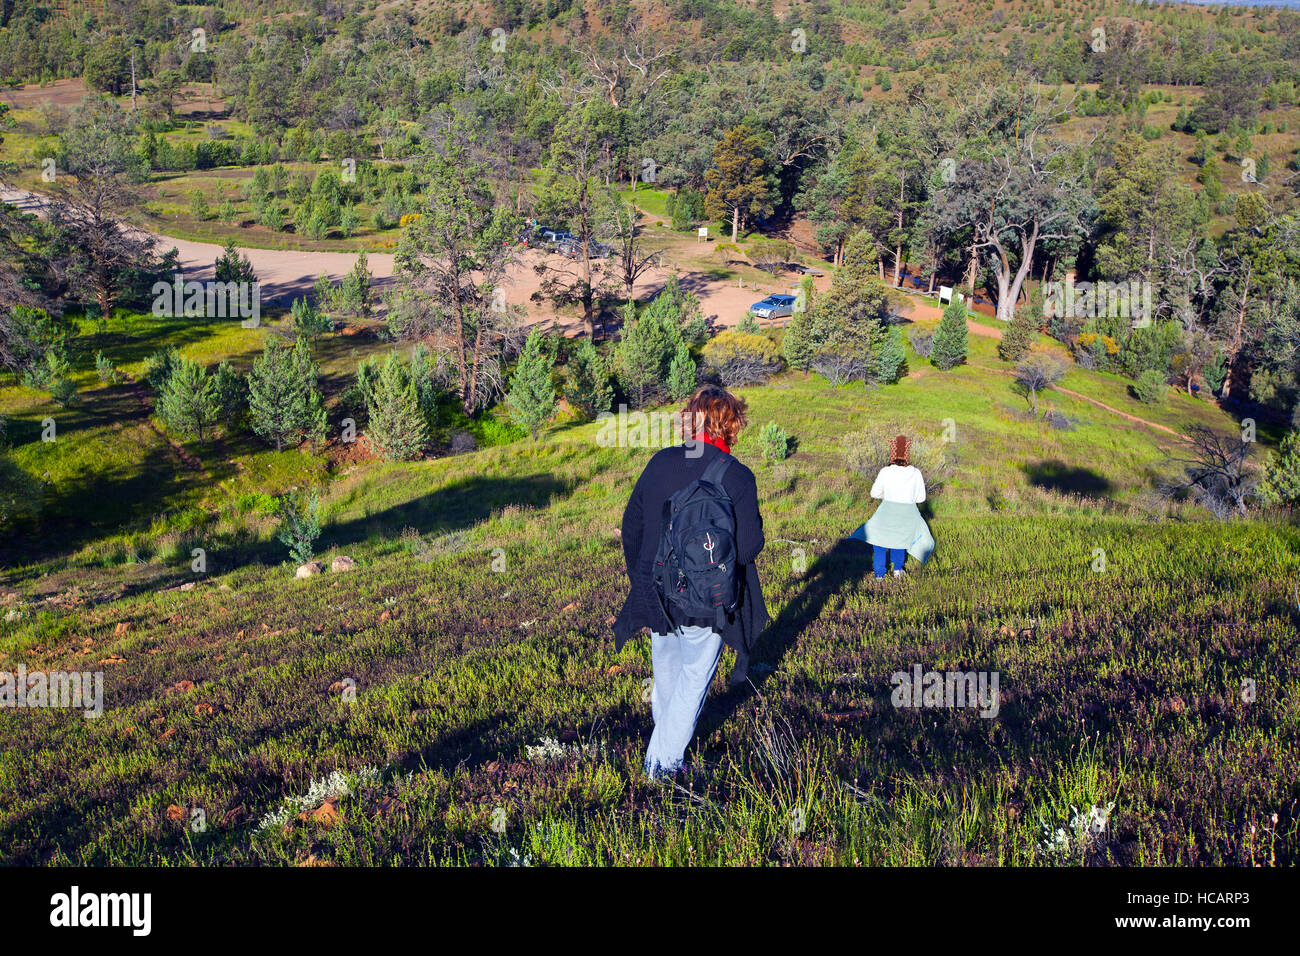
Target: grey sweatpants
[[683, 663]]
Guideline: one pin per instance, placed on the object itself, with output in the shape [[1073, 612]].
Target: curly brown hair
[[715, 412], [900, 450]]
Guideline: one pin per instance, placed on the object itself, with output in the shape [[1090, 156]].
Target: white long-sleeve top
[[901, 483]]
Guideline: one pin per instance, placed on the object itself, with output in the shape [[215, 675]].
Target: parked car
[[554, 237], [773, 307], [572, 248]]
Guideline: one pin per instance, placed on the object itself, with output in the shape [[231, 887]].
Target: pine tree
[[231, 395], [889, 355], [645, 353], [682, 374], [949, 348], [427, 387], [797, 345], [1281, 484], [309, 321], [740, 185], [232, 267], [283, 396], [588, 390], [532, 396], [1020, 334], [299, 524], [313, 411], [847, 319], [397, 427], [188, 402]]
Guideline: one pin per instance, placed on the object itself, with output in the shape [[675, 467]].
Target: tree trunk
[[588, 293], [735, 223], [898, 249], [1235, 345], [460, 342], [1009, 285], [471, 405], [588, 315]]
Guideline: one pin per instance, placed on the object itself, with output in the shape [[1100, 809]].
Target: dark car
[[554, 237], [572, 247]]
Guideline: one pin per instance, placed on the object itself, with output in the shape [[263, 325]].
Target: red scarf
[[715, 442]]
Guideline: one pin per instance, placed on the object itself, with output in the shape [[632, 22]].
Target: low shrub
[[922, 342], [741, 358], [774, 442], [1151, 387]]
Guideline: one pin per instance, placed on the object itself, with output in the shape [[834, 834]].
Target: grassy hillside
[[477, 626]]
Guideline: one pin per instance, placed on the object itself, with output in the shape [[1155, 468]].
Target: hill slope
[[477, 626]]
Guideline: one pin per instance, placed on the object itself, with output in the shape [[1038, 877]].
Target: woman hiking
[[897, 528], [691, 533]]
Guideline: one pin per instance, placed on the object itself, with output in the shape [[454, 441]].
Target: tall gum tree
[[1012, 187]]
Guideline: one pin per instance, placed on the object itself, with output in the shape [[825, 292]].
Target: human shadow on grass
[[847, 563]]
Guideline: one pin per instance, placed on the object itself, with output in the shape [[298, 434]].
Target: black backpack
[[695, 565]]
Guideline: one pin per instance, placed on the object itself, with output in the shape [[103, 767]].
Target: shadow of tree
[[91, 502], [1055, 475], [458, 506]]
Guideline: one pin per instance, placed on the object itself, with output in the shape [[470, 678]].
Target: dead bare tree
[[452, 268], [634, 257], [1216, 473]]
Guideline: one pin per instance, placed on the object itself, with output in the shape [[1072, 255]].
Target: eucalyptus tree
[[1011, 187]]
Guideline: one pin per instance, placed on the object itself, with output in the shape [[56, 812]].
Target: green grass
[[476, 625], [652, 201]]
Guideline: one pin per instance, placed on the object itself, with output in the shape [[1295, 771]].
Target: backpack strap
[[717, 468]]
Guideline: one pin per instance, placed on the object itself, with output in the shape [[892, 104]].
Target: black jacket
[[668, 472]]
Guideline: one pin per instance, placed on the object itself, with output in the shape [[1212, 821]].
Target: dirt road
[[286, 274]]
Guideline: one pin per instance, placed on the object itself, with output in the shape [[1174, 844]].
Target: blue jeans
[[897, 555], [683, 663]]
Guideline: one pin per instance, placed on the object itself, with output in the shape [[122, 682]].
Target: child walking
[[897, 528]]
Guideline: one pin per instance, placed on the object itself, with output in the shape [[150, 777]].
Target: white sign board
[[704, 232], [945, 293]]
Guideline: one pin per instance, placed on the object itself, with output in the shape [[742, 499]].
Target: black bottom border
[[216, 905]]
